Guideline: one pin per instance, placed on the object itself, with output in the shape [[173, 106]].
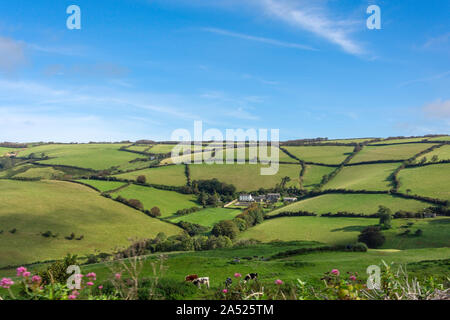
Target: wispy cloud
[[315, 20], [12, 55], [270, 41], [439, 109], [437, 41], [426, 79]]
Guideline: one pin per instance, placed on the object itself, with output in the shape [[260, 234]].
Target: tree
[[135, 203], [202, 197], [225, 228], [434, 158], [385, 215], [213, 200], [141, 179], [155, 212], [372, 237]]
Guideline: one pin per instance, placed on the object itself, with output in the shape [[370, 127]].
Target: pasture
[[161, 148], [355, 203], [397, 141], [101, 185], [167, 201], [391, 152], [429, 181], [440, 138], [363, 177], [346, 230], [171, 175], [246, 177], [33, 208], [40, 172], [443, 153], [208, 217], [321, 154], [90, 156], [313, 175]]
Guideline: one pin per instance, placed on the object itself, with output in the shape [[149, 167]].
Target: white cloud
[[258, 39], [314, 20], [438, 110], [12, 55]]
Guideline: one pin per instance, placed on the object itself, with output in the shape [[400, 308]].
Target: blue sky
[[142, 68]]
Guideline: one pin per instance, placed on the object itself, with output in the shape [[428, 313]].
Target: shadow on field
[[350, 229], [439, 221]]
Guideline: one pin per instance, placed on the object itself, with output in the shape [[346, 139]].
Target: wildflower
[[100, 287], [26, 274], [278, 282], [353, 278], [36, 279], [90, 283], [91, 275], [237, 275], [72, 297], [75, 293], [335, 272], [6, 283], [20, 271], [225, 291]]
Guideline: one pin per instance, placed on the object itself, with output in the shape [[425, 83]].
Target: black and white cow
[[251, 276], [203, 280]]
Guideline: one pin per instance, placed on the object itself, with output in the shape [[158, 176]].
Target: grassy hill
[[321, 154], [90, 156], [209, 216], [390, 152], [356, 203], [33, 208], [165, 175]]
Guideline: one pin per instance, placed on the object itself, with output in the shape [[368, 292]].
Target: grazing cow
[[191, 277], [251, 276], [204, 280], [228, 282]]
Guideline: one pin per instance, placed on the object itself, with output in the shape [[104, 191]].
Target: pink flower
[[335, 272], [118, 276], [278, 282], [75, 293], [100, 287], [20, 271], [92, 275], [90, 283], [26, 274], [353, 278], [237, 275], [36, 279], [72, 297], [6, 283], [225, 291]]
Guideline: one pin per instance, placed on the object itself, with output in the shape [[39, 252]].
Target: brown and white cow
[[191, 277], [201, 281]]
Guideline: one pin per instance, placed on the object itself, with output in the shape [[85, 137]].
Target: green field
[[167, 201], [62, 208], [318, 154], [363, 177], [140, 148], [360, 140], [161, 148], [346, 230], [441, 138], [4, 150], [40, 172], [172, 175], [397, 141], [391, 152], [246, 177], [209, 216], [103, 186], [90, 156], [443, 153], [355, 203], [313, 175], [430, 181]]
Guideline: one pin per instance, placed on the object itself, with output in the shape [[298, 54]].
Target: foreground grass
[[167, 201], [165, 175], [355, 203], [33, 208], [363, 177], [90, 156], [431, 181]]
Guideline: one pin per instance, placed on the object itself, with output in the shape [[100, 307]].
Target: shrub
[[56, 272], [225, 228], [155, 211], [135, 203], [418, 232], [359, 247], [372, 237], [141, 179]]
